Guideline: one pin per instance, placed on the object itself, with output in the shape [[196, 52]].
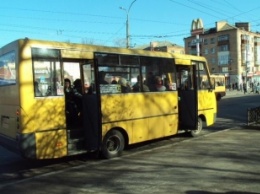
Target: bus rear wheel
[[197, 132], [113, 144]]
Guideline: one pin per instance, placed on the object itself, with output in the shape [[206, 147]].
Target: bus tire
[[113, 144], [197, 132]]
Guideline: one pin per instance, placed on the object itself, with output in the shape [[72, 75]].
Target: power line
[[96, 19]]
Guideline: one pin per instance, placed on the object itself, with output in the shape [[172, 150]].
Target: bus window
[[7, 69], [219, 84], [185, 77], [202, 74], [88, 75], [71, 70], [47, 72], [116, 72], [126, 67], [158, 74]]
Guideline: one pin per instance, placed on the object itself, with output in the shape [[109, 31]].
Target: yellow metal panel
[[40, 114], [182, 61], [77, 54], [144, 116], [171, 124], [207, 105], [51, 144]]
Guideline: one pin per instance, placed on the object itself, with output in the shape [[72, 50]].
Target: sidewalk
[[237, 92], [218, 163]]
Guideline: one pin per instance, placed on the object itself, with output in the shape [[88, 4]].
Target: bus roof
[[70, 47]]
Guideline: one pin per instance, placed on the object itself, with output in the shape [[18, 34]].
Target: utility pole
[[127, 23]]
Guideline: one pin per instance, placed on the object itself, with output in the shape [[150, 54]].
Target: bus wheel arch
[[114, 143]]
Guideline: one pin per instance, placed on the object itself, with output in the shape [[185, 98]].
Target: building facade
[[230, 50], [164, 46]]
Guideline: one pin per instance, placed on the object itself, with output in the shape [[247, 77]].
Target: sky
[[102, 22]]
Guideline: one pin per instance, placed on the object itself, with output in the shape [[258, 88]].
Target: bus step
[[76, 144], [76, 152]]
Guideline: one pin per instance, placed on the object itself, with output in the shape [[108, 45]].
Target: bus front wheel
[[113, 144], [197, 132]]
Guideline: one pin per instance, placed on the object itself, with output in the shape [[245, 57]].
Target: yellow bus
[[38, 121], [219, 83]]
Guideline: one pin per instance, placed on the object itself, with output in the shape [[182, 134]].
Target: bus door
[[91, 108], [187, 93]]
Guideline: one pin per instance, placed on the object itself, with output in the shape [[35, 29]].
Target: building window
[[206, 51], [224, 69], [193, 52], [193, 42], [212, 41], [205, 41], [212, 50], [257, 39], [223, 48], [213, 60], [223, 38], [257, 55], [223, 59], [245, 37]]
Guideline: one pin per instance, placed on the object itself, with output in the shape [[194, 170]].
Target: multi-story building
[[230, 50]]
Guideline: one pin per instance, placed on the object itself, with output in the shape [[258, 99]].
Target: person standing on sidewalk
[[245, 87]]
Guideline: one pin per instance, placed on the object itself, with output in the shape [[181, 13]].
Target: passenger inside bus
[[70, 106], [73, 102], [77, 94], [159, 84], [36, 89], [137, 86], [67, 88], [151, 82], [168, 84], [49, 91], [102, 76], [125, 88], [114, 80]]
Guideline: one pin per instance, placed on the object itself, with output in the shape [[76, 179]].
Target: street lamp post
[[127, 23]]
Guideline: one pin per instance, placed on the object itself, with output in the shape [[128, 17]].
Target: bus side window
[[47, 71]]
